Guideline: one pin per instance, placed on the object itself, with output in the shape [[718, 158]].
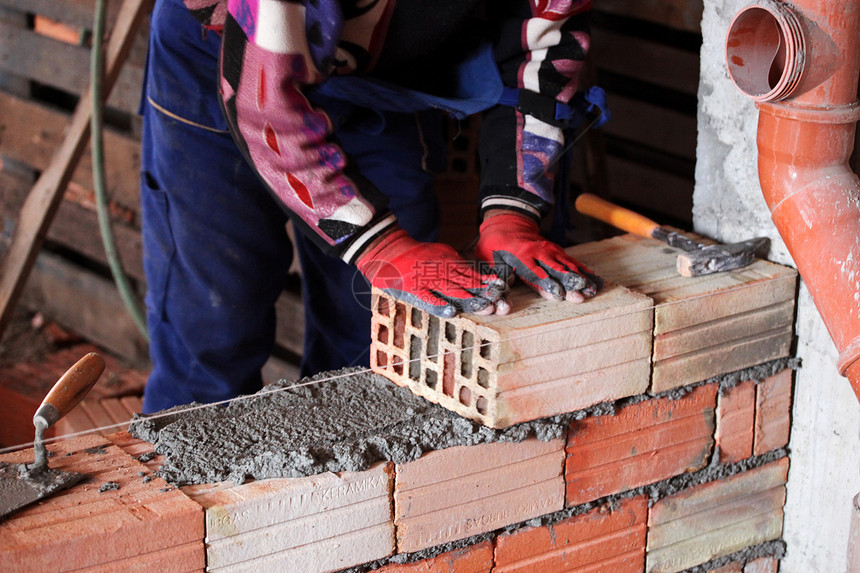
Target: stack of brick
[[649, 329], [645, 481]]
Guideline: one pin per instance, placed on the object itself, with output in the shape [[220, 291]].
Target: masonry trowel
[[23, 484]]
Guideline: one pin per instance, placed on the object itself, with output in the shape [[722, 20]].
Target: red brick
[[540, 360], [703, 326], [474, 559], [182, 558], [735, 422], [82, 527], [773, 412], [455, 493], [600, 540], [762, 565], [324, 522], [642, 443], [716, 519]]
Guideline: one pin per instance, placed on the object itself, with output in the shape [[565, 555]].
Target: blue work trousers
[[216, 254]]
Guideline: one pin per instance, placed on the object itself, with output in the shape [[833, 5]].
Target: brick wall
[[646, 479], [647, 488]]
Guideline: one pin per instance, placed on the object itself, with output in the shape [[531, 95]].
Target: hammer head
[[719, 258]]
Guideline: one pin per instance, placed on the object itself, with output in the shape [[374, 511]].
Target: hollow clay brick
[[600, 540], [473, 559], [544, 358], [82, 527], [642, 443], [458, 492], [319, 523], [715, 519], [703, 326], [773, 412], [735, 422]]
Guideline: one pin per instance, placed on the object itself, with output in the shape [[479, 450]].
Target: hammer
[[696, 260]]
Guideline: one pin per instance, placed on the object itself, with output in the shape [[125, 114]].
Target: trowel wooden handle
[[70, 389], [615, 215]]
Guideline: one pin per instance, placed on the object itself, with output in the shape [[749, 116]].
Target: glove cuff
[[359, 243], [510, 203], [508, 223], [389, 247]]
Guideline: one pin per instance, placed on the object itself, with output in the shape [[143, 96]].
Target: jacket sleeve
[[540, 48], [273, 51]]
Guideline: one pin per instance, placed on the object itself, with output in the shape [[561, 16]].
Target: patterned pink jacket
[[275, 50]]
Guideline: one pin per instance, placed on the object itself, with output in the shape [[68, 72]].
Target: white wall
[[728, 205]]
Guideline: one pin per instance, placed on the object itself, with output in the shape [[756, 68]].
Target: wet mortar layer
[[342, 421], [346, 421]]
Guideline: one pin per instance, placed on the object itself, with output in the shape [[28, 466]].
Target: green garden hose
[[96, 134]]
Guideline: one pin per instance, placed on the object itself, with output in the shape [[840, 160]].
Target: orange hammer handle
[[615, 215]]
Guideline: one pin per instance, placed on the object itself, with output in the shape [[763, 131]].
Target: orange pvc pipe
[[800, 62]]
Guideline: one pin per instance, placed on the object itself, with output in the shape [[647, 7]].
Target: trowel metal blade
[[19, 487]]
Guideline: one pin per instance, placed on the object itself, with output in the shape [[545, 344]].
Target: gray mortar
[[767, 549], [108, 486], [345, 422]]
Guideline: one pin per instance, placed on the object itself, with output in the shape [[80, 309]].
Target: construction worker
[[330, 113]]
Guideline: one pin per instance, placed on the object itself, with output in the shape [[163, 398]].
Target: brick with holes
[[544, 358], [716, 519], [319, 523], [458, 492], [603, 539], [703, 326], [643, 443]]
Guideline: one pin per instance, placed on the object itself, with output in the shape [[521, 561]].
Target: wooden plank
[[680, 14], [62, 66], [290, 329], [44, 199], [76, 227], [657, 127], [650, 189], [30, 132], [74, 12], [85, 302], [8, 82], [656, 63]]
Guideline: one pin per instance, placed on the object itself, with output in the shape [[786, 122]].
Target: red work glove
[[513, 244], [430, 276]]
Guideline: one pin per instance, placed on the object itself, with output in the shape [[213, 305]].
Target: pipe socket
[[766, 51]]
